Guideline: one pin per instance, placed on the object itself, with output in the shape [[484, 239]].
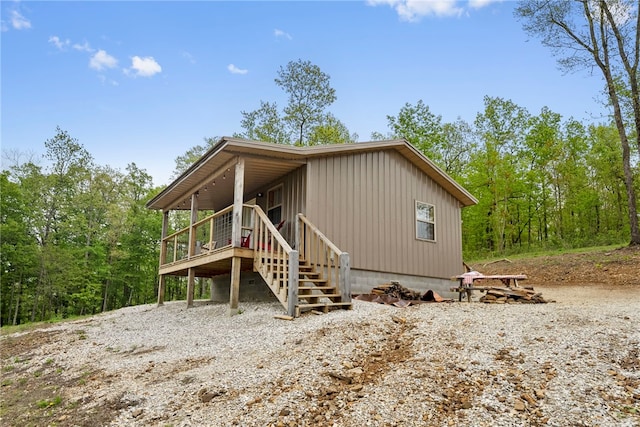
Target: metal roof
[[212, 176]]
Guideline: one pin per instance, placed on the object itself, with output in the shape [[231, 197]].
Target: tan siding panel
[[365, 203]]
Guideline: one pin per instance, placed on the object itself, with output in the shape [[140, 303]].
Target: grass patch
[[48, 403], [545, 252], [26, 327]]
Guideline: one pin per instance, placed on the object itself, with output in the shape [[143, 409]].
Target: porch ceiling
[[214, 181]]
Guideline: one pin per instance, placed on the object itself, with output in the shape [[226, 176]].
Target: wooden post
[[192, 230], [161, 286], [292, 286], [191, 280], [345, 277], [238, 194], [297, 235], [234, 293], [163, 236], [163, 255]]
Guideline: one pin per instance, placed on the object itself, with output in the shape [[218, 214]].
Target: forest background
[[76, 237]]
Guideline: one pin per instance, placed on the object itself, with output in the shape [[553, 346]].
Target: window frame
[[418, 221], [279, 205]]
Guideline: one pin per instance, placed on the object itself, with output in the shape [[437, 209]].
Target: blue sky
[[144, 81]]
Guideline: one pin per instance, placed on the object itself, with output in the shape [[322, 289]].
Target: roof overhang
[[212, 176]]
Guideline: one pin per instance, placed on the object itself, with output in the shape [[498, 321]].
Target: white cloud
[[58, 43], [101, 60], [414, 10], [235, 70], [84, 47], [280, 33], [188, 57], [479, 4], [106, 81], [19, 22], [144, 67]]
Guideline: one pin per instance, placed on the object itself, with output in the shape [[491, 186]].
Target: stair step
[[309, 274], [313, 280], [320, 288], [330, 304], [304, 296], [324, 306]]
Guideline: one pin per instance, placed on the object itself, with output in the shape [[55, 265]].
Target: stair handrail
[[336, 261], [264, 219], [274, 257]]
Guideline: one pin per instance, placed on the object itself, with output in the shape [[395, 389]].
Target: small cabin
[[313, 224]]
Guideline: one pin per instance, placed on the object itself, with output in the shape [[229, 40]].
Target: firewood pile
[[396, 290], [494, 295], [394, 293]]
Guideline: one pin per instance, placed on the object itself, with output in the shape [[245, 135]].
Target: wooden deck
[[316, 277], [210, 263]]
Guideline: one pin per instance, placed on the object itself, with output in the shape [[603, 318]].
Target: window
[[274, 204], [425, 221]]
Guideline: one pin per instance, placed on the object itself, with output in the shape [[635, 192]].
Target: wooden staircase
[[315, 293], [315, 275]]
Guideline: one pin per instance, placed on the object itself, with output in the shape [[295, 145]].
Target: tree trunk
[[17, 309], [626, 159], [106, 295]]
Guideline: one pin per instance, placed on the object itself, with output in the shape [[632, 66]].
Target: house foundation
[[362, 281]]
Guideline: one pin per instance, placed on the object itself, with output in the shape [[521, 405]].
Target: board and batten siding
[[365, 203], [293, 199]]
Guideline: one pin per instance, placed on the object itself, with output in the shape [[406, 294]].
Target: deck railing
[[274, 259], [318, 251], [208, 234]]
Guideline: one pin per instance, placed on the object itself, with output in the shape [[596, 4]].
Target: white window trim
[[416, 220]]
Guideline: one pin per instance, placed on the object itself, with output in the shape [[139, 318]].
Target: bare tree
[[602, 34]]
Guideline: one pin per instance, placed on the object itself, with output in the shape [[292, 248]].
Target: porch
[[310, 273]]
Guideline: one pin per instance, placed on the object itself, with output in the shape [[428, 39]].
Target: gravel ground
[[575, 362]]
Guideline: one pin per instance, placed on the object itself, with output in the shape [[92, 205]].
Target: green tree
[[447, 144], [604, 161], [460, 142], [496, 173], [422, 128], [76, 237], [264, 124], [603, 34], [304, 120], [330, 130], [18, 252], [310, 93], [191, 155]]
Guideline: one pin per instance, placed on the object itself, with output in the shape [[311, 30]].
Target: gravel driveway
[[575, 362]]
